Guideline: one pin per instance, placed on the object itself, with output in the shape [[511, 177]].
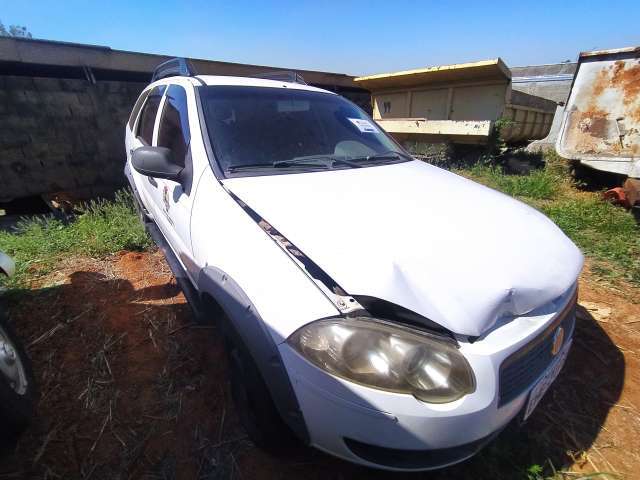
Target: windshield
[[257, 127]]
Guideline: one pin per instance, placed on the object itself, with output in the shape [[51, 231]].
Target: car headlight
[[386, 356]]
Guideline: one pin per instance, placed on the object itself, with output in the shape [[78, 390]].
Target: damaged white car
[[378, 308]]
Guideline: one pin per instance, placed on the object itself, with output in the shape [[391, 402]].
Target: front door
[[148, 187], [177, 197]]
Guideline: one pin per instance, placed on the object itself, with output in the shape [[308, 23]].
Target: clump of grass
[[538, 472], [540, 184], [603, 231], [102, 227]]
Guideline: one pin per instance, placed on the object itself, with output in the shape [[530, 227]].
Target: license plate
[[545, 382]]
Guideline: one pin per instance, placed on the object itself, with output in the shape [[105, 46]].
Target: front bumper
[[398, 432]]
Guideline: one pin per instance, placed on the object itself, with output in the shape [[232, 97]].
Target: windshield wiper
[[235, 168], [323, 161], [388, 155], [316, 160]]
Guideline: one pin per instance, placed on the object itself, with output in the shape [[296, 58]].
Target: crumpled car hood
[[445, 247]]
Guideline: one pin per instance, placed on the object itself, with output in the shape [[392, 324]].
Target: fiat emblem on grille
[[558, 338]]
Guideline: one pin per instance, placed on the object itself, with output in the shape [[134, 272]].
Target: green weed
[[101, 228], [540, 184]]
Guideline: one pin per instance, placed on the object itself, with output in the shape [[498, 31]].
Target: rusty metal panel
[[601, 124]]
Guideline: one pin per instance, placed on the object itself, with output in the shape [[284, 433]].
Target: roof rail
[[180, 67], [282, 76]]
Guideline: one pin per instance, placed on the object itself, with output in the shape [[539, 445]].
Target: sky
[[354, 37]]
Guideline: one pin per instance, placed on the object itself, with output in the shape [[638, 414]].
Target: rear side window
[[173, 132], [148, 115], [137, 107]]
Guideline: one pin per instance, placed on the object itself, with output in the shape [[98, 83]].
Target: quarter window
[[148, 115], [137, 107], [173, 132]]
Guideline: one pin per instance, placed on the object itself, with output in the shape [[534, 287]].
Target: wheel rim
[[11, 367]]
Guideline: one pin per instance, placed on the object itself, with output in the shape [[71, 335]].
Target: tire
[[17, 398], [254, 404]]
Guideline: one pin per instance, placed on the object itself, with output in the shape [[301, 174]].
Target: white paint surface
[[456, 252]]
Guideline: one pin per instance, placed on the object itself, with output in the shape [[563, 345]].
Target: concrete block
[[18, 121], [43, 84], [10, 155], [83, 98], [82, 110], [73, 85], [12, 82], [13, 139]]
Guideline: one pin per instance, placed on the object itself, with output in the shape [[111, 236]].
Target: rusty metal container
[[601, 124]]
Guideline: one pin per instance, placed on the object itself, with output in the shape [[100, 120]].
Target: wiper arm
[[388, 155], [316, 160], [347, 162], [234, 168], [303, 162]]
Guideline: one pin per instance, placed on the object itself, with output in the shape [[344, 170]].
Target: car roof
[[223, 80]]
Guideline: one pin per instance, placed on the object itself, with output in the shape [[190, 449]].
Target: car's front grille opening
[[520, 370]]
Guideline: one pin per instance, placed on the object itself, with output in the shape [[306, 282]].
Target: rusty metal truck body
[[601, 124]]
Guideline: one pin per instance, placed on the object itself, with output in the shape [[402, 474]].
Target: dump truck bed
[[458, 103]]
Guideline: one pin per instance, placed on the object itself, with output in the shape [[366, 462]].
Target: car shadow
[[131, 386]]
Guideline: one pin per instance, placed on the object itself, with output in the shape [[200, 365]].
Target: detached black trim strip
[[386, 310], [310, 266]]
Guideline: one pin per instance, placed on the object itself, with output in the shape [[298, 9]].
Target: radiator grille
[[520, 370]]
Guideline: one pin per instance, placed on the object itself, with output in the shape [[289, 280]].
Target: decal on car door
[[166, 203], [165, 198]]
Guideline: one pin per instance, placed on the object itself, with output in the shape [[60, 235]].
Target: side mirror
[[156, 162]]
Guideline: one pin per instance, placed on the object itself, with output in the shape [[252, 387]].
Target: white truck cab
[[375, 307]]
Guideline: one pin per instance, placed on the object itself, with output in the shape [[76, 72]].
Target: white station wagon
[[378, 308]]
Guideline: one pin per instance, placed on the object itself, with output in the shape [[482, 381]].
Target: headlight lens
[[386, 356]]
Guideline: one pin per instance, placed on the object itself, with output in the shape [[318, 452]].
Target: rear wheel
[[17, 386], [257, 412]]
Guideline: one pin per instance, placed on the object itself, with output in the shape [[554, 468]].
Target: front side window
[[173, 132], [257, 127], [148, 115]]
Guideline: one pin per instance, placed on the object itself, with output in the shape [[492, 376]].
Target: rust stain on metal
[[623, 76], [593, 122], [601, 82], [627, 78], [586, 129], [593, 128]]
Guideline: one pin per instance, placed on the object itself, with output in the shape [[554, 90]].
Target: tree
[[14, 31]]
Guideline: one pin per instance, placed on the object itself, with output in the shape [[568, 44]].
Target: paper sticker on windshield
[[363, 125]]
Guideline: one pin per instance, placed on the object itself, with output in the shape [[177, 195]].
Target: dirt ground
[[131, 388]]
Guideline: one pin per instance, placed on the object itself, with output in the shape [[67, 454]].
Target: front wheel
[[17, 385], [257, 412]]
